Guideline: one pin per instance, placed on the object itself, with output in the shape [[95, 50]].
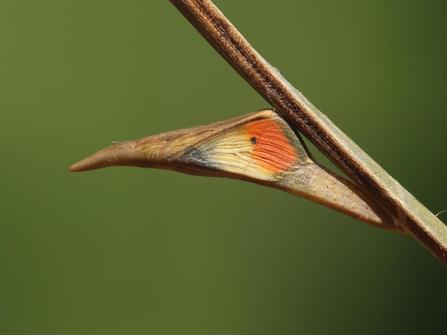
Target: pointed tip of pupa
[[119, 154], [80, 166]]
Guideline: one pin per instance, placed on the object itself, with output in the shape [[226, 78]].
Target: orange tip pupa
[[259, 147]]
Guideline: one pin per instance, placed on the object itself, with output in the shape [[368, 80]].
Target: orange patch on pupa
[[272, 148]]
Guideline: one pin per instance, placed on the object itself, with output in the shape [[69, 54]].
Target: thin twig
[[293, 106]]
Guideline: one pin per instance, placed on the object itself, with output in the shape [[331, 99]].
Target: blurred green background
[[135, 251]]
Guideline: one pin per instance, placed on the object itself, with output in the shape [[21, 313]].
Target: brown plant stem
[[293, 106]]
